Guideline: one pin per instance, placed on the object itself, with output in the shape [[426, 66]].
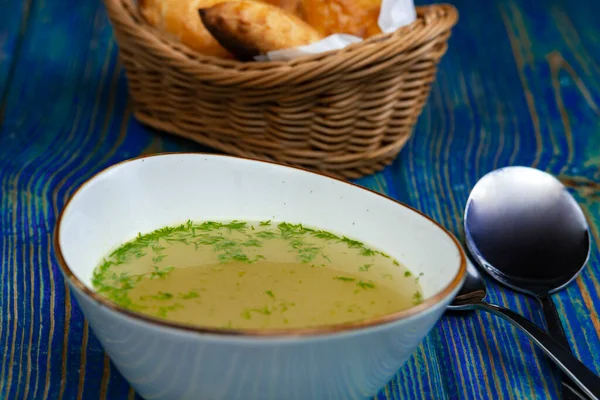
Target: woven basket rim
[[427, 17]]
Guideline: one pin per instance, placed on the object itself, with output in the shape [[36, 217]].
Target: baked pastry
[[292, 6], [248, 28], [354, 17], [180, 19]]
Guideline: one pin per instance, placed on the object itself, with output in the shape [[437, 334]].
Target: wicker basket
[[346, 113]]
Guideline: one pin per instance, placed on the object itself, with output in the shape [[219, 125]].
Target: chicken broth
[[259, 275]]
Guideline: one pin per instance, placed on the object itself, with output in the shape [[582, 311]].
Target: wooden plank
[[14, 19]]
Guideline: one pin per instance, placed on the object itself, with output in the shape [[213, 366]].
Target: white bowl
[[164, 360]]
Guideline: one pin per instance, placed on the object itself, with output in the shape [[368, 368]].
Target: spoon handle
[[555, 329], [571, 366]]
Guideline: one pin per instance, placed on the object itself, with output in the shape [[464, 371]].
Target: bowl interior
[[149, 193]]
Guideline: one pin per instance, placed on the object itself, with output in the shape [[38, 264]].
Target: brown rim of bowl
[[282, 333]]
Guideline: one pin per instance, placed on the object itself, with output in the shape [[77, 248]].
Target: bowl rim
[[273, 333]]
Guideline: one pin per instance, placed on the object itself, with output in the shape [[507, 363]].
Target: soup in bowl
[[216, 277]]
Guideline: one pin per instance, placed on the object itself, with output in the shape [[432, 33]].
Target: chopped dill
[[367, 252], [164, 310], [353, 244], [234, 241], [247, 313], [208, 226], [266, 235], [325, 235], [344, 278], [366, 285], [158, 258], [192, 294], [288, 231], [417, 298], [252, 243], [159, 296], [236, 226], [160, 273]]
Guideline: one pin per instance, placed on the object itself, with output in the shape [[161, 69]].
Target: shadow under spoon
[[471, 298]]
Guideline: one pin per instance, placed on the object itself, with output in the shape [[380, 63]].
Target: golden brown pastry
[[180, 19], [248, 28], [292, 6], [354, 17]]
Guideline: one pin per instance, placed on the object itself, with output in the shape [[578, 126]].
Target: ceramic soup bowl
[[164, 360]]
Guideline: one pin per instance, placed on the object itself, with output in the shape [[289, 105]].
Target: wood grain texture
[[520, 85]]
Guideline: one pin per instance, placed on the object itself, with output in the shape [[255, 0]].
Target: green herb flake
[[288, 231], [296, 244], [353, 244], [407, 274], [417, 298], [266, 235], [366, 285], [365, 267], [367, 252], [157, 248], [163, 296], [285, 305], [160, 273], [235, 226], [247, 313], [225, 244], [265, 223], [396, 263], [192, 294], [270, 294], [344, 278], [252, 243], [164, 310], [208, 226], [160, 296], [325, 235], [158, 258], [308, 254]]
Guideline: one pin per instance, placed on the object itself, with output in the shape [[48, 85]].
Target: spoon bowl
[[526, 230]]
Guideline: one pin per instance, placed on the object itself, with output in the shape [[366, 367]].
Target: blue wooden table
[[520, 84]]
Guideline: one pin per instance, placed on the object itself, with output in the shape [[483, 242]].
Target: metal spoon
[[525, 229], [471, 298]]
